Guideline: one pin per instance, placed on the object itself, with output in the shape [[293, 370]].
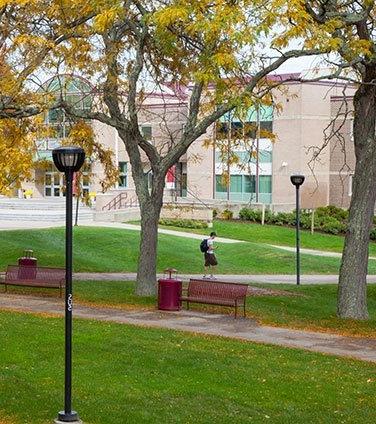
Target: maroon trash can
[[169, 292], [28, 265]]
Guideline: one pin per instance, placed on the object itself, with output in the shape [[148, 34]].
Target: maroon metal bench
[[34, 276], [216, 293]]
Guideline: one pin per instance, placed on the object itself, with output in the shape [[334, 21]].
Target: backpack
[[204, 246]]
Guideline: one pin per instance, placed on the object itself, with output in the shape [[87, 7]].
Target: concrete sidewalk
[[135, 227], [247, 278], [313, 252], [204, 323]]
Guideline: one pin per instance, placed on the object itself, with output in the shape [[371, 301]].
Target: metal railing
[[121, 201]]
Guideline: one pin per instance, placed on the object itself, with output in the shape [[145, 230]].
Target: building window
[[249, 184], [123, 174], [245, 184], [150, 180], [77, 94], [265, 184], [265, 156], [239, 129], [146, 132], [219, 185], [244, 157], [85, 179], [236, 184]]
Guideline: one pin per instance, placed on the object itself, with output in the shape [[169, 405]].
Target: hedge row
[[328, 219], [185, 223]]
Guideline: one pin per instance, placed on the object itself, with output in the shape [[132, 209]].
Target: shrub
[[305, 221], [282, 218], [268, 217], [215, 213], [184, 223], [227, 214], [244, 214], [333, 226], [333, 211], [248, 214], [328, 219]]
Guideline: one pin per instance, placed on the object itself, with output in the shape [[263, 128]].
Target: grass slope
[[273, 234], [124, 374], [116, 250]]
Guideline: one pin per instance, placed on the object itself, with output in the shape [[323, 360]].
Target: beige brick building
[[302, 127]]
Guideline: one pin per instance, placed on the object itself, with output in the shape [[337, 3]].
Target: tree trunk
[[147, 262], [352, 288]]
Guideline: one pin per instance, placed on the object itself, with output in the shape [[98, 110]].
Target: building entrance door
[[53, 184]]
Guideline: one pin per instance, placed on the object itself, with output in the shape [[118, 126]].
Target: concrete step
[[41, 216], [39, 210], [32, 204]]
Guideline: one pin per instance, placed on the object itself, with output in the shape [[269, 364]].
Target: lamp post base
[[56, 421], [71, 417]]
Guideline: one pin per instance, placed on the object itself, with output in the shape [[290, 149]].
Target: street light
[[68, 159], [297, 180]]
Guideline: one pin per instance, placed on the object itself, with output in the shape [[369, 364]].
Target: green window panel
[[55, 115], [244, 157], [219, 186], [236, 183], [146, 131], [265, 156], [265, 184], [249, 183], [245, 184], [265, 114], [123, 174], [238, 132]]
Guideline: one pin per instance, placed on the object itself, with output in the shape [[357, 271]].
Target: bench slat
[[216, 293], [221, 302], [34, 276]]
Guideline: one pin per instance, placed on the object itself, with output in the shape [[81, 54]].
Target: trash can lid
[[170, 271]]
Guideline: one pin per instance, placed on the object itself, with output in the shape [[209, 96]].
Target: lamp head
[[68, 158], [297, 179]]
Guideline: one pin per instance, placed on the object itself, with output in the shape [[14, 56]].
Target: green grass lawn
[[313, 308], [116, 250], [273, 234], [124, 374]]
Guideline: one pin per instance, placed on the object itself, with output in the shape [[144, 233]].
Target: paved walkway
[[312, 251], [204, 323], [264, 279], [135, 227]]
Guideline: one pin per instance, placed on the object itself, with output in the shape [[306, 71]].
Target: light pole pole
[[68, 159], [297, 180]]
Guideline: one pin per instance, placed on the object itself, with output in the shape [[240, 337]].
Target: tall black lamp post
[[68, 160], [297, 180]]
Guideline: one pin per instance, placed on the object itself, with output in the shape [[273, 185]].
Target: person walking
[[210, 258]]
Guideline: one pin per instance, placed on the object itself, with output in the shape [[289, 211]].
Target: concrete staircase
[[43, 209]]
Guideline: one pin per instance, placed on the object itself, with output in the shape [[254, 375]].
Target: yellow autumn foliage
[[16, 153], [218, 43]]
